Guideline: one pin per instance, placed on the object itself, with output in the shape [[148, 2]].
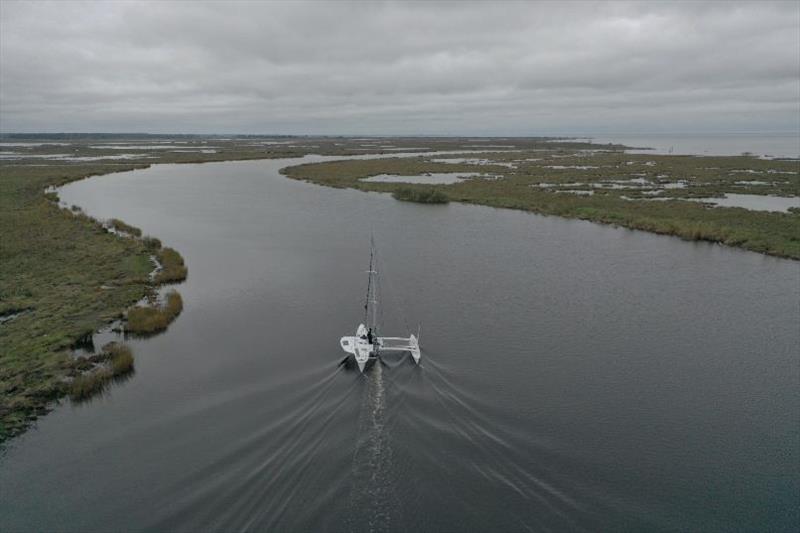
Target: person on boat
[[369, 336]]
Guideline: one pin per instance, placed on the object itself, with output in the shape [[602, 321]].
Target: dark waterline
[[574, 376]]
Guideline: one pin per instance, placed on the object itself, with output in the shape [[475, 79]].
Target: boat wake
[[507, 464], [372, 494], [262, 480]]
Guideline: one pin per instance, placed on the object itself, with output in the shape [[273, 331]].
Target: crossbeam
[[400, 344]]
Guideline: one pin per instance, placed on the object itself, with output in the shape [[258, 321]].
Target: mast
[[362, 345], [371, 295]]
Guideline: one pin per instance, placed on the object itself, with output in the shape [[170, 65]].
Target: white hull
[[360, 347], [364, 345]]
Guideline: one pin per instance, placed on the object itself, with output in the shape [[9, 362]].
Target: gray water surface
[[764, 144], [574, 376]]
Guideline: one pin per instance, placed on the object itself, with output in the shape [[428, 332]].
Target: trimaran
[[366, 344]]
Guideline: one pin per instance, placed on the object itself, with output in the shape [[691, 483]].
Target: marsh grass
[[154, 319], [173, 268], [120, 358], [113, 363], [151, 243], [70, 275], [53, 263], [535, 183], [86, 386], [123, 227]]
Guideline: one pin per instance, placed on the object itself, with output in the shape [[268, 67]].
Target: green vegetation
[[85, 386], [606, 187], [152, 319], [121, 226], [63, 276], [116, 362], [68, 272], [422, 195], [120, 358], [151, 243]]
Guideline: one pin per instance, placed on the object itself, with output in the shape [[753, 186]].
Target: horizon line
[[415, 135]]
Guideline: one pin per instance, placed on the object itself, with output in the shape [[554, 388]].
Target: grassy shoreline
[[150, 319], [599, 194], [66, 276]]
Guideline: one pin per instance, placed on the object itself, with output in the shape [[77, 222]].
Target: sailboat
[[366, 344]]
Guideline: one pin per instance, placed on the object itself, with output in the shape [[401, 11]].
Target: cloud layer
[[399, 68]]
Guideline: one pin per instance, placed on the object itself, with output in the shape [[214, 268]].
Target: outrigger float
[[366, 344]]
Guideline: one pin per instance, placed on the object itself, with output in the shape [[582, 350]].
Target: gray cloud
[[370, 68]]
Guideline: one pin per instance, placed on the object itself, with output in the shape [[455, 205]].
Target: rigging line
[[369, 280]]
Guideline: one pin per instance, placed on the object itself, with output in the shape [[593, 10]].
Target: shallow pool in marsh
[[756, 202], [574, 376], [431, 178]]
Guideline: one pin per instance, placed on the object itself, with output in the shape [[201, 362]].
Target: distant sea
[[761, 144]]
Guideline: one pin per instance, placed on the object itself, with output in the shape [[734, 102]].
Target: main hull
[[359, 346]]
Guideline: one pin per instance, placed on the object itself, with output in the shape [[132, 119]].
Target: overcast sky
[[497, 68]]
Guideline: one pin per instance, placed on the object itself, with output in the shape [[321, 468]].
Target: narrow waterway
[[574, 376]]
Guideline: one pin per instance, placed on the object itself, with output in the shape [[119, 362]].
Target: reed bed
[[123, 227], [114, 362], [120, 359], [173, 268], [151, 243], [153, 319]]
